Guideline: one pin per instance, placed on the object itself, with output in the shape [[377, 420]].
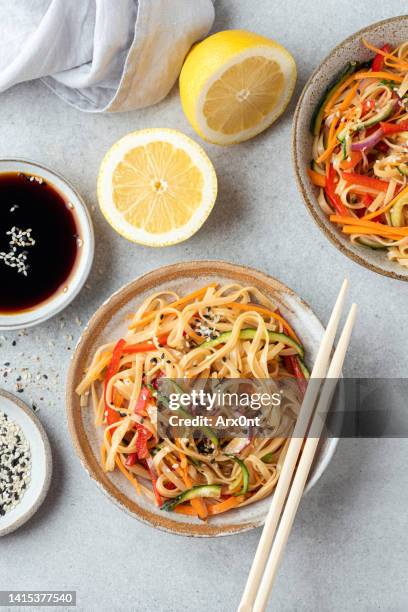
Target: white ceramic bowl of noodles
[[110, 322], [393, 31]]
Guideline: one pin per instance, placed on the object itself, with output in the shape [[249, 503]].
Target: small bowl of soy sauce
[[46, 243]]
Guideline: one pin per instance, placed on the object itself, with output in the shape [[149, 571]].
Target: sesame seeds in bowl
[[25, 463], [15, 464], [46, 243]]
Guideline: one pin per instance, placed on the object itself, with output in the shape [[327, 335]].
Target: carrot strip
[[316, 178], [368, 224], [330, 148], [188, 298], [336, 94], [349, 229], [197, 339], [349, 98], [355, 158], [199, 505], [182, 509], [267, 312], [118, 399], [386, 231], [381, 74], [224, 506], [124, 471], [332, 129]]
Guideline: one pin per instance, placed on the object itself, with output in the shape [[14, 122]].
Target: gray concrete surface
[[348, 550]]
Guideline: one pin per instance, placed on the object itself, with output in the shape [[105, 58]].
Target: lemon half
[[156, 187], [235, 84]]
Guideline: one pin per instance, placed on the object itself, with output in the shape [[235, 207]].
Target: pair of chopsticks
[[294, 474]]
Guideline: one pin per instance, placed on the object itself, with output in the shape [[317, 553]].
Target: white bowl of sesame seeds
[[46, 243], [25, 463]]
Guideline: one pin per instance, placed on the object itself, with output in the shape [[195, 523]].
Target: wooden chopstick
[[295, 446], [305, 464]]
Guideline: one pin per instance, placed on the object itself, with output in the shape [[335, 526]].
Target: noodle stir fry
[[226, 332], [360, 152]]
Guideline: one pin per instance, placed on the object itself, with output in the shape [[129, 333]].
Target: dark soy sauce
[[38, 241]]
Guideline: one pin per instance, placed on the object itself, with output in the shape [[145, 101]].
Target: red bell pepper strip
[[365, 181], [378, 61], [143, 435], [144, 347], [395, 128], [170, 486], [367, 106], [112, 415], [367, 201], [131, 460], [292, 365], [153, 474], [142, 451], [141, 403], [330, 190]]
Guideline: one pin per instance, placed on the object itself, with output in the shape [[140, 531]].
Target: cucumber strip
[[397, 211], [370, 244], [303, 367], [249, 334], [344, 148], [267, 458], [193, 493], [245, 475], [341, 136], [207, 431], [381, 116]]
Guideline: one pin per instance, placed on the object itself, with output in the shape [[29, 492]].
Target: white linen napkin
[[100, 55]]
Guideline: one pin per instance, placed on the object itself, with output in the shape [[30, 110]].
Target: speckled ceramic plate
[[393, 31], [109, 323], [41, 462]]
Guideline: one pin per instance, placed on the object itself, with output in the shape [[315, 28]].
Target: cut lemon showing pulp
[[156, 187], [235, 84]]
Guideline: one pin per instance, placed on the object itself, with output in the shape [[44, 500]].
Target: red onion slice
[[369, 142]]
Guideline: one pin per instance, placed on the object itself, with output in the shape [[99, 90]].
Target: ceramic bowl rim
[[77, 431]]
